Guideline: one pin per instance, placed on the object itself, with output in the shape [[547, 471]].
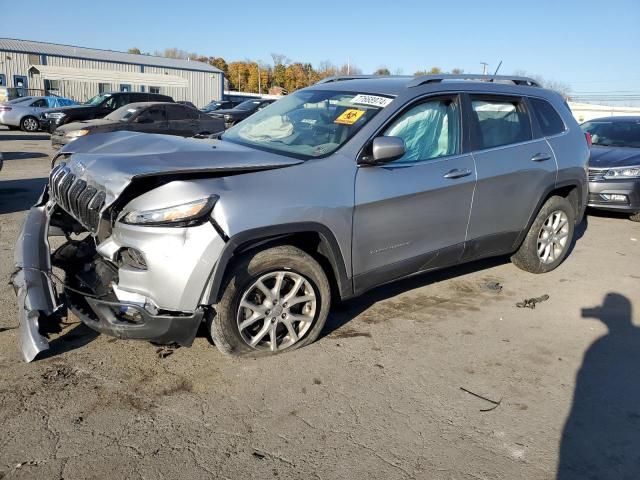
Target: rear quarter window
[[548, 118], [500, 121]]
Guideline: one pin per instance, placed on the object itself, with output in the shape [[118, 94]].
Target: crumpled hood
[[110, 161], [609, 157]]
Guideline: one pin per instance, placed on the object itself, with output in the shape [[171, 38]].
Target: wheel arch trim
[[248, 239]]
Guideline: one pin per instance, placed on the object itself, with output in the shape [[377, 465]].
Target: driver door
[[151, 120], [412, 214]]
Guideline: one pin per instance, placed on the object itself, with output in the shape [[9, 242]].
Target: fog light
[[133, 258], [614, 197], [130, 314]]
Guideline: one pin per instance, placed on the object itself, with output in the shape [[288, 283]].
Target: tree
[[560, 87], [457, 71], [279, 59], [382, 71], [220, 63], [134, 50], [349, 69], [238, 75], [435, 71]]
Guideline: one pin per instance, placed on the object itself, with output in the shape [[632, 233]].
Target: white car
[[23, 112]]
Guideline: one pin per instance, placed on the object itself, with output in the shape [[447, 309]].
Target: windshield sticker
[[373, 100], [349, 116]]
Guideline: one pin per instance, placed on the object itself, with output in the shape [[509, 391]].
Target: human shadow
[[19, 195], [6, 156], [601, 438]]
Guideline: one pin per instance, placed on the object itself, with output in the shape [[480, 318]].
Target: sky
[[591, 46]]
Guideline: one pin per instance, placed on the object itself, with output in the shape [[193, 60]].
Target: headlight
[[623, 172], [177, 215], [55, 115], [76, 133]]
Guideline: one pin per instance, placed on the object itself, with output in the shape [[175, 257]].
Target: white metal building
[[80, 73], [587, 111]]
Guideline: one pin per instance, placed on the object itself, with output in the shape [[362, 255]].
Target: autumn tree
[[134, 50], [382, 71], [219, 63]]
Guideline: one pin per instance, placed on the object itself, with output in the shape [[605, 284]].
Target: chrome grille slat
[[81, 201]]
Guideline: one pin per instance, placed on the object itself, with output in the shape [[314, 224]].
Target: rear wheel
[[635, 217], [273, 301], [547, 242], [29, 124]]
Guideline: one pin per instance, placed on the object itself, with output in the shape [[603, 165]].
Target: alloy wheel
[[276, 311], [30, 124], [553, 237]]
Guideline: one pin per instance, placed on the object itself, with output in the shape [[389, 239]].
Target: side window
[[500, 122], [175, 112], [154, 89], [121, 100], [40, 103], [154, 114], [548, 118], [429, 130]]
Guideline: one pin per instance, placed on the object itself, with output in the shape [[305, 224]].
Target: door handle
[[540, 157], [457, 173]]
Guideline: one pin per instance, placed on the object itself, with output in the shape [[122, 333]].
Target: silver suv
[[327, 193]]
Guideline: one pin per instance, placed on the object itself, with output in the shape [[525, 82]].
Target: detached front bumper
[[626, 195], [37, 299], [39, 305]]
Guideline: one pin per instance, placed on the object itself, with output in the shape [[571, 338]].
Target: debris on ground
[[531, 302], [259, 455], [494, 286], [166, 350], [495, 404]]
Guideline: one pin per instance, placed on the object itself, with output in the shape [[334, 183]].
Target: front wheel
[[29, 124], [635, 217], [549, 238], [274, 300]]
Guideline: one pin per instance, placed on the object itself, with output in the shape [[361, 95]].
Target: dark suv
[[98, 107], [327, 193]]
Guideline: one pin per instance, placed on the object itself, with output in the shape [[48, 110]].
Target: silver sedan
[[23, 112]]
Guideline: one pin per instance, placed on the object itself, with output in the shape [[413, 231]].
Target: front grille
[[596, 175], [83, 202]]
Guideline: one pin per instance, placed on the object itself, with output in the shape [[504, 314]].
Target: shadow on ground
[[8, 137], [77, 337], [601, 438], [20, 195]]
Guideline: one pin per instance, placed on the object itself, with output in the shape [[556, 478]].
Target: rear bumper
[[39, 304], [629, 188]]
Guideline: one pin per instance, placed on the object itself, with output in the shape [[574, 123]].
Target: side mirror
[[383, 150]]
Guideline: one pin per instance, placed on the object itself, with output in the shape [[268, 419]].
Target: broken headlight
[[182, 215]]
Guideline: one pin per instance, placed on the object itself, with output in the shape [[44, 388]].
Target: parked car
[[329, 192], [146, 117], [23, 112], [242, 111], [218, 105], [614, 167], [97, 107]]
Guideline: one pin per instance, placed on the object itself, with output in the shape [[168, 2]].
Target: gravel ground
[[379, 396]]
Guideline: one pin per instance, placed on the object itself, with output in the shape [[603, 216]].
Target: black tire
[[223, 326], [526, 258], [29, 124], [635, 217]]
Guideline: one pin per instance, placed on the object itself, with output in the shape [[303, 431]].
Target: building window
[[142, 88], [3, 80], [52, 85], [125, 87], [154, 89], [104, 87]]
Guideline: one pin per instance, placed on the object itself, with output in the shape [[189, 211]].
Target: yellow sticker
[[349, 117]]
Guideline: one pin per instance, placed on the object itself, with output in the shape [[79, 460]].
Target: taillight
[[5, 109], [588, 137]]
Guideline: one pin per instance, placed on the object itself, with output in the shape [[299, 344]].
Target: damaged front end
[[87, 282]]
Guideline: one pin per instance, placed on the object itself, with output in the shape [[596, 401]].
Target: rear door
[[180, 120], [412, 214], [514, 172]]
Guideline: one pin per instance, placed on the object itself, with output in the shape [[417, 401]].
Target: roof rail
[[425, 79], [339, 78]]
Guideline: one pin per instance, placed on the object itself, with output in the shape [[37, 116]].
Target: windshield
[[612, 133], [123, 114], [309, 123], [211, 106], [98, 99]]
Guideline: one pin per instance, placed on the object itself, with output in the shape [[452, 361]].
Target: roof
[[29, 46], [395, 85]]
